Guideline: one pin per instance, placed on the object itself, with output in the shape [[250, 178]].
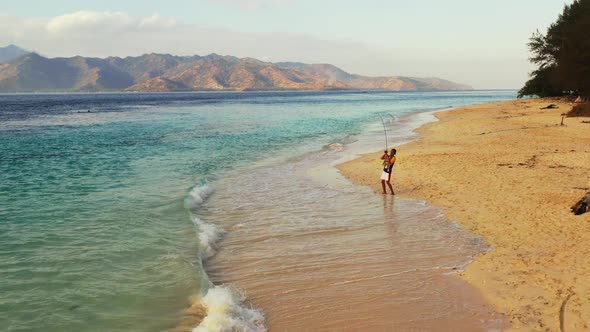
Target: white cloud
[[119, 34], [101, 34], [80, 21], [103, 22], [253, 4], [156, 21]]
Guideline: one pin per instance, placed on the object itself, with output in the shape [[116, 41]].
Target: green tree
[[562, 55]]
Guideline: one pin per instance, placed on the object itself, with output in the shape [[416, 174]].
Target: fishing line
[[385, 132]]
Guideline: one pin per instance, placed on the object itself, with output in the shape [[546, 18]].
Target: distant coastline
[[45, 92], [31, 72]]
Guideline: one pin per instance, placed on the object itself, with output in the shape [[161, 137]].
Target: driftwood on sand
[[550, 106], [582, 206], [580, 100]]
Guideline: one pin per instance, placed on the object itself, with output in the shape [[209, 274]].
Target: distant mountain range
[[21, 71], [10, 53]]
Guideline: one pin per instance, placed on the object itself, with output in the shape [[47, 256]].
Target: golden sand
[[509, 172]]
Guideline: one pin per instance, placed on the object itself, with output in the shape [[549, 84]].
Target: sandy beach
[[509, 172]]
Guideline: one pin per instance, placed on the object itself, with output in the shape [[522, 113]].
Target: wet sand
[[509, 172], [317, 253]]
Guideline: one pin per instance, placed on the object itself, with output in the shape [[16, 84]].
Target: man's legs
[[390, 188], [389, 185]]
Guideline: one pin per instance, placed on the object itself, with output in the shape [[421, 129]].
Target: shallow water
[[318, 253], [107, 216]]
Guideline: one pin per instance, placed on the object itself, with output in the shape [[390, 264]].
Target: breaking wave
[[225, 306], [226, 312]]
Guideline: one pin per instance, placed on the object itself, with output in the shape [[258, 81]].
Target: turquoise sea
[[107, 209]]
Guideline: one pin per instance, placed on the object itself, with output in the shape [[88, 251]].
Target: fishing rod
[[385, 132]]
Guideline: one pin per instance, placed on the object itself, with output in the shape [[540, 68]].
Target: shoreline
[[325, 279], [507, 171]]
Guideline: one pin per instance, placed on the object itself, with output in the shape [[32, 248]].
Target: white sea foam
[[225, 307], [197, 196], [226, 313], [208, 234], [334, 147]]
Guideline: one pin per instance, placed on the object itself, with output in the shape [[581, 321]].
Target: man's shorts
[[385, 176]]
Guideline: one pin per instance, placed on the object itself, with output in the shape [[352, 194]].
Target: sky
[[480, 43]]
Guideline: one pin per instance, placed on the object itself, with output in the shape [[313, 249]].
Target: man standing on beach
[[388, 162]]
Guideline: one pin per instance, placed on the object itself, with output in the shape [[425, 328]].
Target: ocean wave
[[208, 234], [197, 196], [226, 312], [333, 147], [224, 306]]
